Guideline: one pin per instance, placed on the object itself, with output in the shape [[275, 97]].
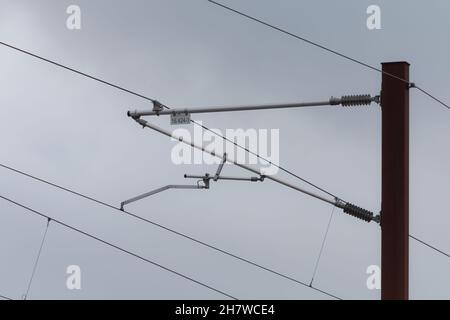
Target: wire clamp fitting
[[335, 101], [377, 218], [377, 99], [157, 107]]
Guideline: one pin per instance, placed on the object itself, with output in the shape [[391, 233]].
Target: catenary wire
[[432, 97], [37, 259], [429, 246], [5, 297], [77, 71], [168, 229], [364, 64], [117, 247]]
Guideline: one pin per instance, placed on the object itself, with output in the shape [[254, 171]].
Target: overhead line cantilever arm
[[347, 207], [345, 101]]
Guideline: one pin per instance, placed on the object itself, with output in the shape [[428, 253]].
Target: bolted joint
[[142, 122], [133, 114], [205, 179], [377, 99], [157, 106], [358, 212], [377, 219], [335, 101]]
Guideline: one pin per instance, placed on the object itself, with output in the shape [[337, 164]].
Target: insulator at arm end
[[356, 100], [359, 212]]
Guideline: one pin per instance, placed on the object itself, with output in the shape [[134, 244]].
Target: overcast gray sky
[[74, 131]]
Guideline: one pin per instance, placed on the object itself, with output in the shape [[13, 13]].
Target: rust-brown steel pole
[[395, 182]]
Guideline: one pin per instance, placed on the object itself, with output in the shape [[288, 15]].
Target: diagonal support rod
[[219, 169], [347, 207]]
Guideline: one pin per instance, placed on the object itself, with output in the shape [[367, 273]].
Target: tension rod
[[252, 179]]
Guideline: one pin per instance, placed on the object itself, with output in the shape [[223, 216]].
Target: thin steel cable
[[173, 231], [5, 297], [77, 71], [153, 100], [305, 40], [117, 247], [432, 97], [322, 247], [364, 64], [430, 246], [37, 259]]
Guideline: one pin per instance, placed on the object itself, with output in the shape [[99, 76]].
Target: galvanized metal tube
[[333, 101]]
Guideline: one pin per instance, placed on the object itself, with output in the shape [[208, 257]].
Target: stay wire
[[173, 231], [37, 259], [118, 248], [322, 247]]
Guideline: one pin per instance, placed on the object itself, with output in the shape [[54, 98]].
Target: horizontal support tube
[[354, 100], [225, 178], [135, 114]]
